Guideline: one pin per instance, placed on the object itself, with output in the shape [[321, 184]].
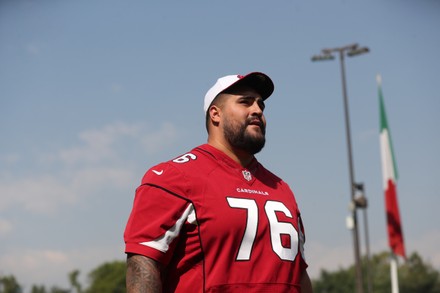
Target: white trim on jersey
[[302, 239], [162, 243]]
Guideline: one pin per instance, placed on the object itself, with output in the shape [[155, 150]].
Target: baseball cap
[[256, 80]]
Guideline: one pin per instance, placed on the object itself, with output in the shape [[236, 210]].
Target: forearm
[[143, 275]]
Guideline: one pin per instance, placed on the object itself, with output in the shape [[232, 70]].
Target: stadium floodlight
[[326, 54], [323, 57], [357, 51]]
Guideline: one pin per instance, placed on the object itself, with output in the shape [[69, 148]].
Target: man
[[214, 219]]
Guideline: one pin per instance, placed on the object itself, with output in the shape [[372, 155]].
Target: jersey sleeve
[[157, 217], [169, 177]]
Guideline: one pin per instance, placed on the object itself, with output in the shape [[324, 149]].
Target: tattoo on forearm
[[143, 275]]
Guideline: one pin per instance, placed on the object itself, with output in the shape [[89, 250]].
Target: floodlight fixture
[[323, 57], [358, 51]]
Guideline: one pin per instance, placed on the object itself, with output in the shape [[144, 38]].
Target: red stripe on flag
[[395, 233]]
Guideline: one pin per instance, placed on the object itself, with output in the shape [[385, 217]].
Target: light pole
[[326, 54], [361, 203]]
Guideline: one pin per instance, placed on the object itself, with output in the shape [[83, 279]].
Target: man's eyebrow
[[251, 96]]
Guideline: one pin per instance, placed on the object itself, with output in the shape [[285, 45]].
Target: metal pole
[[394, 277], [359, 279], [367, 244]]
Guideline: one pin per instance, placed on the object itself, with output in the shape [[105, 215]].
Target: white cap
[[256, 80]]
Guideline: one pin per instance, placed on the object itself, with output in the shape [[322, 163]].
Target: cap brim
[[256, 80]]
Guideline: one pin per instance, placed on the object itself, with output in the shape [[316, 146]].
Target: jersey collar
[[248, 173]]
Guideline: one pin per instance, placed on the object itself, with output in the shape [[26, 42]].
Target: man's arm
[[143, 275], [306, 284]]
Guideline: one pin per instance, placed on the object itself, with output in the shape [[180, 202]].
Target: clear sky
[[93, 93]]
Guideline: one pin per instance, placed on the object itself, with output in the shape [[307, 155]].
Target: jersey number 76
[[277, 228]]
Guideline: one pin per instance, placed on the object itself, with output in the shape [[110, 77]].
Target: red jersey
[[218, 227]]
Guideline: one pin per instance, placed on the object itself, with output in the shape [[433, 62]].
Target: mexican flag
[[389, 171]]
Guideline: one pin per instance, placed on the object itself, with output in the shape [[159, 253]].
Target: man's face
[[244, 125]]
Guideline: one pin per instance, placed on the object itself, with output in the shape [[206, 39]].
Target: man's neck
[[241, 157]]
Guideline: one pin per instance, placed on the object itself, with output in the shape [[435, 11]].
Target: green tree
[[8, 284], [53, 289], [56, 289], [38, 289], [73, 278], [414, 276], [108, 278], [343, 280], [380, 272]]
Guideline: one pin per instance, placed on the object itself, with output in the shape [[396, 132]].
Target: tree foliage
[[414, 276], [418, 277], [8, 284], [38, 289], [73, 278], [42, 289], [108, 278]]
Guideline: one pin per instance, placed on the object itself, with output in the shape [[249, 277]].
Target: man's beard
[[237, 137]]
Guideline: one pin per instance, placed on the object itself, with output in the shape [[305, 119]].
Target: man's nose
[[256, 109]]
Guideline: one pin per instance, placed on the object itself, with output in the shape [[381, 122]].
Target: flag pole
[[389, 169], [394, 276]]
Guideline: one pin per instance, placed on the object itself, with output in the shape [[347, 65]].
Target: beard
[[238, 137]]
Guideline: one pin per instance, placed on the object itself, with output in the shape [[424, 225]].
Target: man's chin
[[258, 138], [256, 132]]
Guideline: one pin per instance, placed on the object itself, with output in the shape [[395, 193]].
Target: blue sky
[[92, 93]]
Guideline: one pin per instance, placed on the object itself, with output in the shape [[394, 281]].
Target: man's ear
[[214, 114]]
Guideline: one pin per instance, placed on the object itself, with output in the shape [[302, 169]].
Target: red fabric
[[395, 233]]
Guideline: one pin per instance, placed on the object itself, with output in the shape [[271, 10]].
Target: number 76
[[276, 228]]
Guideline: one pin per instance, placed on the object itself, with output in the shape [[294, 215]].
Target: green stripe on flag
[[383, 126]]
